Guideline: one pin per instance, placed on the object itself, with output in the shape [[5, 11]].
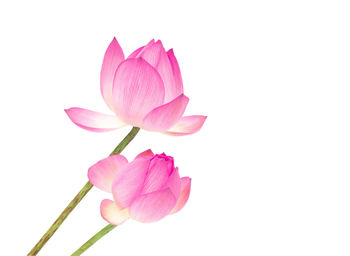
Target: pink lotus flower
[[146, 189], [145, 91]]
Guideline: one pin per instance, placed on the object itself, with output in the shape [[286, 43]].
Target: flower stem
[[131, 135], [94, 239], [58, 222]]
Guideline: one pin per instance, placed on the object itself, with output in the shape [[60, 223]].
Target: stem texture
[[94, 239]]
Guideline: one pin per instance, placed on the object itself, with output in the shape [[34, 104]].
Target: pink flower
[[146, 189], [145, 91]]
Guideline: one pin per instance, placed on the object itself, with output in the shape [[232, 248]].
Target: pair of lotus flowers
[[146, 91]]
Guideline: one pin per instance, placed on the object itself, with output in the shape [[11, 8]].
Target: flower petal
[[112, 213], [113, 57], [177, 88], [93, 121], [152, 52], [184, 195], [103, 172], [137, 89], [147, 153], [163, 117], [187, 125], [155, 54], [159, 170], [128, 182], [135, 53], [174, 183], [153, 206]]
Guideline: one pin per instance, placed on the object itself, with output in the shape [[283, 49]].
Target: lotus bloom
[[145, 90], [146, 189]]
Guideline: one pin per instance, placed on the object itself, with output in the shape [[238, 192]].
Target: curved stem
[[58, 222], [94, 239], [131, 135]]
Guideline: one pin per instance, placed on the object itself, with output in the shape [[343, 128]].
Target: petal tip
[[146, 153], [111, 213], [159, 42], [114, 42], [187, 125]]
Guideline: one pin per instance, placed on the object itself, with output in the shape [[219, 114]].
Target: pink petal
[[177, 88], [151, 53], [187, 125], [128, 182], [166, 72], [112, 213], [174, 183], [163, 117], [103, 172], [93, 121], [147, 153], [152, 207], [138, 88], [113, 57], [135, 53], [154, 54], [159, 170], [184, 195]]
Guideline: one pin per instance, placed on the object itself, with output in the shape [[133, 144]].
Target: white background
[[270, 168]]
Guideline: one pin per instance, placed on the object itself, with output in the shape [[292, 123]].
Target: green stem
[[58, 222], [93, 239], [131, 135]]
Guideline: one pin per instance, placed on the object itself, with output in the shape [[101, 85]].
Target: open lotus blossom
[[145, 90], [146, 189]]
